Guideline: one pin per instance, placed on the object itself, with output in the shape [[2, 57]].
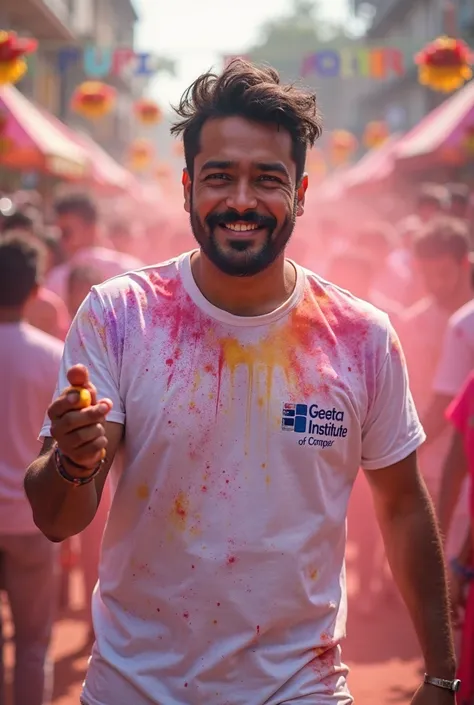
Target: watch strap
[[453, 686]]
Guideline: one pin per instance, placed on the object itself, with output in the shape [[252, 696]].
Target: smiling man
[[246, 392]]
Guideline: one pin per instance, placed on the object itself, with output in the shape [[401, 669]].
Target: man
[[392, 278], [46, 310], [251, 391], [456, 362], [78, 220], [441, 253], [29, 364]]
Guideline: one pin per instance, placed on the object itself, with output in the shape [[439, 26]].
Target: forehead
[[243, 141]]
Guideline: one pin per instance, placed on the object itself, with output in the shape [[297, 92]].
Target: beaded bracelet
[[76, 481], [462, 570]]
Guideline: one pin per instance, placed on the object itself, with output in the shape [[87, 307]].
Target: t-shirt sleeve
[[392, 429], [88, 343], [455, 363], [458, 412]]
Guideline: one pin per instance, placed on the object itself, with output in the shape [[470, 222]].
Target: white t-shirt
[[29, 365], [457, 357], [222, 576], [109, 263]]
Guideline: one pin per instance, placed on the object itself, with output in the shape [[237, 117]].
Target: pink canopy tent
[[441, 132], [29, 140], [107, 174], [374, 168]]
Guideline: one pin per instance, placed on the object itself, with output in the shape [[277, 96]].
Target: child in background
[[459, 463]]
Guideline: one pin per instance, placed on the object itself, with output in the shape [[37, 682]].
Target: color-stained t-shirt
[[222, 577]]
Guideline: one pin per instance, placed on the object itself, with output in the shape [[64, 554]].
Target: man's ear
[[300, 194], [186, 181]]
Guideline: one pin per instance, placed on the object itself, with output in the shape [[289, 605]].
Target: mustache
[[230, 217]]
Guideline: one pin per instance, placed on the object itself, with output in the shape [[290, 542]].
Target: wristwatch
[[453, 686]]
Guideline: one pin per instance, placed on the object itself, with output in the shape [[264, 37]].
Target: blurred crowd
[[418, 268]]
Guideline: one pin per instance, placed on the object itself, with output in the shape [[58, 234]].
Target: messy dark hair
[[444, 236], [254, 93], [79, 204], [21, 267]]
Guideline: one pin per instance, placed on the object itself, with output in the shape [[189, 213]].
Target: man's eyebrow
[[217, 164], [273, 166]]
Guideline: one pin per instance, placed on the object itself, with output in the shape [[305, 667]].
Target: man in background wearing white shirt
[[29, 364], [78, 220]]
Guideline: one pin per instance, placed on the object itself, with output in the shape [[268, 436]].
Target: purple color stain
[[112, 333]]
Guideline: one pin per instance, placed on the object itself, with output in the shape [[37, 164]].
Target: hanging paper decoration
[[342, 146], [148, 112], [375, 134], [13, 49], [140, 155], [445, 64], [93, 99]]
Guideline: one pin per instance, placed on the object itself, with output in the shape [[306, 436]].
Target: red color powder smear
[[231, 560], [186, 615], [258, 630]]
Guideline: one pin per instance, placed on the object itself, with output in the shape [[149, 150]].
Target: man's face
[[244, 200], [429, 211], [75, 233], [442, 277]]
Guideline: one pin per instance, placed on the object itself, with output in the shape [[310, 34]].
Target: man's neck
[[11, 315], [244, 296]]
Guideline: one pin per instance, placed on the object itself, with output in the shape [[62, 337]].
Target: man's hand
[[79, 432], [430, 695]]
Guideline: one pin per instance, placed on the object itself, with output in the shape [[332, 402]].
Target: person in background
[[78, 221], [432, 201], [455, 364], [29, 364], [46, 311], [125, 237], [459, 201], [356, 271], [458, 467], [392, 278], [441, 252]]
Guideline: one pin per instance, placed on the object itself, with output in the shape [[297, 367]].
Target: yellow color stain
[[320, 651], [197, 380], [192, 405], [143, 492], [261, 402], [179, 512], [268, 480]]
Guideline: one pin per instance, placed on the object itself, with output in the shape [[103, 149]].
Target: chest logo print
[[315, 425]]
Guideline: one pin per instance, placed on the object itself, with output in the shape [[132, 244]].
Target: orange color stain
[[313, 574], [143, 492], [180, 511], [268, 480], [260, 402], [264, 465]]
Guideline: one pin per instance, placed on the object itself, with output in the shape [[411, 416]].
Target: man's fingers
[[70, 401], [78, 376]]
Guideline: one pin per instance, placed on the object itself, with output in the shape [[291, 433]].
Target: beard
[[240, 257]]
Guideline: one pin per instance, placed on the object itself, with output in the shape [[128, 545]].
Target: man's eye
[[217, 176], [269, 177]]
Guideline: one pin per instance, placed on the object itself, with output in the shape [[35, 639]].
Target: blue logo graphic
[[294, 417]]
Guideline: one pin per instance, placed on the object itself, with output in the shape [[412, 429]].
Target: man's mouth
[[240, 227]]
